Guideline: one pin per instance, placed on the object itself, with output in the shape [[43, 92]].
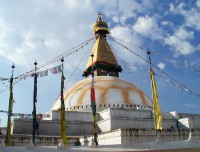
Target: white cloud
[[167, 23], [171, 7], [179, 46], [188, 105], [191, 16], [179, 41], [120, 11], [75, 5], [147, 27], [198, 3], [52, 42], [43, 30], [126, 33], [183, 34], [161, 66]]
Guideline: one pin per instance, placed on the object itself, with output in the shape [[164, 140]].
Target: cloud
[[147, 27], [190, 15], [161, 66], [167, 23], [120, 11], [198, 3], [180, 42], [188, 105], [42, 31], [183, 34], [179, 46], [126, 33]]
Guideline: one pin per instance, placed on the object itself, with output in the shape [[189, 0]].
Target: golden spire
[[100, 26], [104, 60]]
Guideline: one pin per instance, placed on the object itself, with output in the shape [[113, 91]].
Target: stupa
[[110, 90]]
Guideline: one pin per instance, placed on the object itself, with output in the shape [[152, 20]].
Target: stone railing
[[25, 140], [136, 136], [148, 135]]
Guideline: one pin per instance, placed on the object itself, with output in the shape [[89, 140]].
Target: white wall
[[125, 113], [185, 123], [104, 125], [115, 118], [24, 126], [74, 116]]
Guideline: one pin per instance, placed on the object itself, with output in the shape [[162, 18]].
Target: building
[[125, 113]]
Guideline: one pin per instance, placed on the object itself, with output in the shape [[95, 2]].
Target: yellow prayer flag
[[157, 112]]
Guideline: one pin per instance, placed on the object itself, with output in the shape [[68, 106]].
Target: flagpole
[[8, 135], [148, 52], [93, 104], [157, 112], [34, 104], [62, 109]]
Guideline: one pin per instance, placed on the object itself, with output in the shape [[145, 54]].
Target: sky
[[42, 30]]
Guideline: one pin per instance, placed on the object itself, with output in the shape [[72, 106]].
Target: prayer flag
[[41, 73], [157, 112], [41, 116], [15, 114], [93, 105], [54, 70], [47, 116], [3, 79], [59, 68], [33, 74], [35, 88], [44, 73]]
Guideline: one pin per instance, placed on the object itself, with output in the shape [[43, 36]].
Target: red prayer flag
[[92, 95]]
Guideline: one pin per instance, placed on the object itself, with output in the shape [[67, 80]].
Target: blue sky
[[41, 30]]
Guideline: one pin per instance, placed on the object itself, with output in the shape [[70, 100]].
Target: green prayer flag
[[8, 136]]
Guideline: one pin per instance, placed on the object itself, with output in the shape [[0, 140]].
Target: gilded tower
[[104, 61]]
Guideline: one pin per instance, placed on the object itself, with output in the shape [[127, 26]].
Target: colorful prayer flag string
[[23, 115]]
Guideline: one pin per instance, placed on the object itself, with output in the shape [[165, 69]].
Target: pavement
[[173, 146]]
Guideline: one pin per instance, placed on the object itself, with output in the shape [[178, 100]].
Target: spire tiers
[[104, 61]]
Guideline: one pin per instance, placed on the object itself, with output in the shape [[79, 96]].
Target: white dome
[[109, 92]]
